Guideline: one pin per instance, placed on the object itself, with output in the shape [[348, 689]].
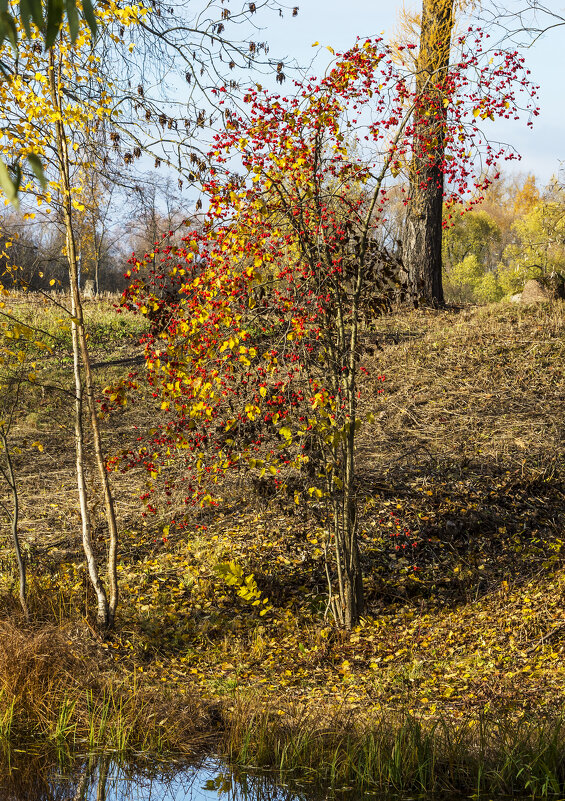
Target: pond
[[33, 778]]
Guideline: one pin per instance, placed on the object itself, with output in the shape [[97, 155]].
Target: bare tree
[[523, 23], [8, 475]]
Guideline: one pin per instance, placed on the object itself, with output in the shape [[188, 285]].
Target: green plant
[[65, 723], [246, 586]]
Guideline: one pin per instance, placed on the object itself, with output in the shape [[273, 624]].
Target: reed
[[401, 754]]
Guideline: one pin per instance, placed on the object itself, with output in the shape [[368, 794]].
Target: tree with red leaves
[[258, 368]]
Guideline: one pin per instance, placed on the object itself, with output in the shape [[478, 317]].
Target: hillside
[[462, 526]]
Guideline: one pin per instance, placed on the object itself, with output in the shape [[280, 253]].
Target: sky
[[338, 22]]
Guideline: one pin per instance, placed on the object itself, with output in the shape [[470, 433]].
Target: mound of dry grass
[[37, 669], [52, 697]]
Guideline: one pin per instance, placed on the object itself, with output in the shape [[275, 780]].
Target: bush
[[488, 289], [513, 276], [469, 282]]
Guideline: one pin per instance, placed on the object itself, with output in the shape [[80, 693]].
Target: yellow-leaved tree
[[45, 18], [53, 103]]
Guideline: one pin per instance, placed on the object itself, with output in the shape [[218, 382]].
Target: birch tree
[[51, 117]]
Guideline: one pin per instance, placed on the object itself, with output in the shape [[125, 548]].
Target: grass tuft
[[52, 698]]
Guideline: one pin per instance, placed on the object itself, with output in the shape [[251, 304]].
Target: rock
[[535, 292], [516, 298]]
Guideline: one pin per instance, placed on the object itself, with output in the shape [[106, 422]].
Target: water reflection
[[30, 777]]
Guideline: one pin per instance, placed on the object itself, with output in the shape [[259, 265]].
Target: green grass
[[406, 755], [49, 316]]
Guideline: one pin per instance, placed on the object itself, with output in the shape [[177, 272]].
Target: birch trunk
[[81, 357]]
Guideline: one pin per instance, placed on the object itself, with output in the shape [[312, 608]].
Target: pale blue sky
[[338, 22]]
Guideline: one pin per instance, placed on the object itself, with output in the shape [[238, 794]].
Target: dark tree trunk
[[423, 236], [353, 585], [423, 227]]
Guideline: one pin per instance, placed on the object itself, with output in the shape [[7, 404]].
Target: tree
[[423, 227], [262, 352], [257, 367], [8, 474], [15, 372], [469, 282], [163, 71], [527, 197], [539, 249], [44, 18], [430, 169], [472, 233], [81, 359], [503, 201], [52, 121], [155, 211], [523, 23], [194, 46]]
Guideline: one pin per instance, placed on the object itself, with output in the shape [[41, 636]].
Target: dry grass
[[465, 459], [35, 669], [472, 398], [54, 698], [484, 384]]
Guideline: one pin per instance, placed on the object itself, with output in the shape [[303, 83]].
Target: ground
[[461, 485]]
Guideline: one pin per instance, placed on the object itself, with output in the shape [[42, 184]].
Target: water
[[35, 779]]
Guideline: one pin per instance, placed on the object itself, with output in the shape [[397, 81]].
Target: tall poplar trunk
[[423, 227], [81, 359]]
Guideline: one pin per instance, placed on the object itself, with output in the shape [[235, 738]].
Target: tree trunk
[[81, 354], [347, 605], [422, 239], [353, 588], [91, 564], [11, 479], [352, 573]]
